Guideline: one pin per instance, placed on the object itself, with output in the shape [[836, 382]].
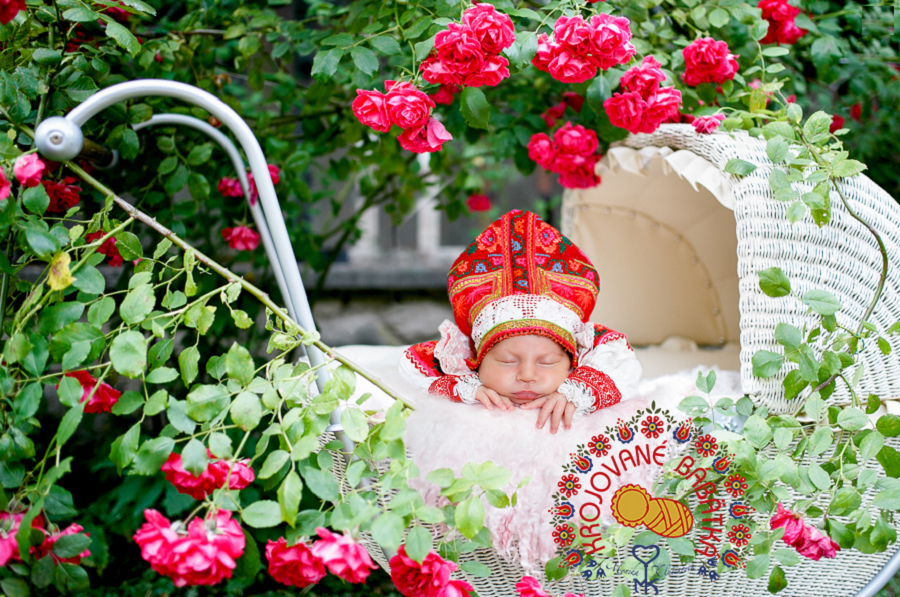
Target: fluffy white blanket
[[444, 434]]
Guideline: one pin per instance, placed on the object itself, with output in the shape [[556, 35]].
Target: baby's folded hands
[[554, 406], [489, 398]]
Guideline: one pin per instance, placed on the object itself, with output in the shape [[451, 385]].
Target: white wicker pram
[[687, 240]]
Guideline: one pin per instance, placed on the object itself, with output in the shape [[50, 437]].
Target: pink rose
[[576, 139], [370, 108], [783, 32], [542, 150], [457, 588], [46, 548], [492, 72], [274, 174], [230, 187], [708, 61], [478, 202], [573, 100], [547, 50], [530, 587], [444, 95], [611, 41], [644, 78], [460, 50], [425, 139], [241, 238], [241, 473], [156, 539], [63, 194], [826, 546], [552, 113], [104, 398], [9, 525], [344, 557], [407, 106], [570, 68], [5, 185], [108, 248], [28, 170], [661, 106], [837, 123], [209, 552], [435, 71], [196, 486], [9, 9], [582, 177], [427, 579], [626, 110], [493, 29], [294, 566], [574, 35], [707, 124], [778, 10]]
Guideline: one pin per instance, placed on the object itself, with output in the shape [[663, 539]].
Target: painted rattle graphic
[[633, 506]]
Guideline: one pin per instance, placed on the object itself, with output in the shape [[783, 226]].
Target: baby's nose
[[526, 373]]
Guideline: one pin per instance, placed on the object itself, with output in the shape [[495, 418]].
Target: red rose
[[837, 123], [294, 566], [241, 238], [530, 587], [707, 124], [103, 398], [493, 29], [370, 108], [644, 78], [9, 546], [542, 150], [428, 579], [186, 482], [274, 174], [407, 106], [574, 100], [46, 548], [856, 112], [551, 114], [445, 94], [108, 247], [574, 35], [230, 187], [28, 169], [459, 50], [661, 106], [778, 10], [547, 50], [436, 71], [611, 41], [5, 185], [241, 473], [569, 68], [63, 194], [9, 9], [344, 557], [792, 99], [582, 177], [575, 140], [425, 139], [708, 61], [626, 110], [478, 202], [783, 32], [492, 72]]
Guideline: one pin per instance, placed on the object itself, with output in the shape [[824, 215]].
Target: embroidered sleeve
[[589, 390], [613, 356], [458, 388], [419, 365]]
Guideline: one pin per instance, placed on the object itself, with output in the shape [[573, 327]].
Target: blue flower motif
[[517, 246], [480, 268]]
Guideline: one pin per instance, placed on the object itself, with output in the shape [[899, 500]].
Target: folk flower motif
[[63, 194], [46, 548], [28, 170], [430, 578], [294, 566], [707, 60], [104, 397], [735, 486], [478, 202], [564, 510], [530, 587], [425, 139], [707, 124], [563, 535], [9, 9], [108, 247], [739, 535], [652, 426], [344, 557], [241, 238], [706, 445], [599, 445], [5, 185], [739, 510], [569, 485]]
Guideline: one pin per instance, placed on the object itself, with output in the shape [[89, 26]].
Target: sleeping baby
[[522, 295]]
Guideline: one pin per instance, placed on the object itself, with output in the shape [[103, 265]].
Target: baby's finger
[[567, 416], [483, 398], [545, 413], [558, 409], [502, 402], [533, 404]]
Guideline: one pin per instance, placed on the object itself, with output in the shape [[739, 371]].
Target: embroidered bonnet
[[520, 276]]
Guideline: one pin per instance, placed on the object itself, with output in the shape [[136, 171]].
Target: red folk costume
[[518, 277]]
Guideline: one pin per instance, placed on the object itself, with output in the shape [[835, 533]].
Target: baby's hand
[[554, 404], [489, 398]]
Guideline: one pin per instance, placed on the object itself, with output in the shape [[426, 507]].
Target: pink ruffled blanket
[[444, 434]]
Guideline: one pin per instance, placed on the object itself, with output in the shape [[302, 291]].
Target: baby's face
[[524, 368]]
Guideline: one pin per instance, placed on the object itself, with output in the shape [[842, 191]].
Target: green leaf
[[194, 458], [205, 402], [889, 459], [758, 566], [757, 432], [239, 364], [888, 425], [475, 108], [246, 411], [161, 375], [262, 514], [122, 35], [42, 243], [469, 516], [69, 546], [385, 44], [817, 125], [187, 362], [355, 425], [364, 59], [80, 14], [289, 494], [89, 280], [16, 587], [53, 319], [846, 500], [820, 440], [889, 499], [422, 49], [777, 581], [394, 423], [848, 168], [274, 462], [152, 455], [819, 477], [129, 246], [325, 64], [249, 563], [766, 363], [128, 402], [718, 17], [773, 282], [138, 303], [739, 167], [76, 355], [199, 154], [598, 92], [852, 419], [419, 542], [322, 484], [100, 312], [36, 200], [128, 353], [387, 530], [125, 447], [821, 301]]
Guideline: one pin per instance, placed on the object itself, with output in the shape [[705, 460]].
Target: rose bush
[[145, 420]]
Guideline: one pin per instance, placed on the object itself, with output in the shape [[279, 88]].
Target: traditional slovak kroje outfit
[[518, 277]]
